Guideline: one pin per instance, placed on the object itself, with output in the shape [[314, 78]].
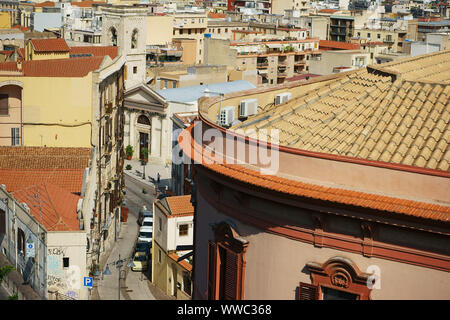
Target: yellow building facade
[[5, 20]]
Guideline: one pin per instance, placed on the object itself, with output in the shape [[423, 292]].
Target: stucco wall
[[12, 120], [68, 281], [62, 107], [275, 265], [159, 30]]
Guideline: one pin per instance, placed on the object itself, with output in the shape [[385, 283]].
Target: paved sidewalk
[[151, 173]]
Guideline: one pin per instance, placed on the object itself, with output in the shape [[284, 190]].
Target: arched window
[[337, 278], [113, 36], [226, 266], [143, 120], [134, 39]]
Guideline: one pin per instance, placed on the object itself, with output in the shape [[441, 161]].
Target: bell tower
[[125, 27]]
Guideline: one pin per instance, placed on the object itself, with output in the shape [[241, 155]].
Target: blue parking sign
[[88, 282]]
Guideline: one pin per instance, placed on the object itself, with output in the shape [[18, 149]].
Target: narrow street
[[134, 285]]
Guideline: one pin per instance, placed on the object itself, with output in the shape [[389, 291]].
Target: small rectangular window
[[65, 262], [160, 224], [135, 70], [159, 255], [15, 137], [183, 230]]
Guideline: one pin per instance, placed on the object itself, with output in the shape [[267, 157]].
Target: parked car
[[143, 247], [147, 222], [140, 261], [144, 213], [145, 234]]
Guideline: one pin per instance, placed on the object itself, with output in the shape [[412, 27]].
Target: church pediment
[[143, 97]]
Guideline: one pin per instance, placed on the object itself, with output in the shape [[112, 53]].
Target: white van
[[145, 234]]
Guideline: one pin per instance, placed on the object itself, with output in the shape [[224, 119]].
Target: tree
[[4, 272]]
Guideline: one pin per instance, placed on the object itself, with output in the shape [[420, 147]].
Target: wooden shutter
[[4, 104], [211, 270], [231, 276], [308, 291]]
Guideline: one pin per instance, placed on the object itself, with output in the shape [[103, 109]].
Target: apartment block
[[188, 25], [276, 60]]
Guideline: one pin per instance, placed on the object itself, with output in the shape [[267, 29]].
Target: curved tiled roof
[[282, 185], [369, 115]]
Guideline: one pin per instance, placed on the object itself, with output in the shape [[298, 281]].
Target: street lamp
[[119, 264], [143, 165]]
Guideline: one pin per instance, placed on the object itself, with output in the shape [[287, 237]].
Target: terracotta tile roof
[[22, 167], [22, 28], [214, 15], [433, 67], [50, 45], [302, 77], [348, 197], [45, 4], [73, 67], [58, 207], [374, 43], [17, 179], [337, 45], [186, 265], [180, 205], [44, 158], [86, 4], [102, 51], [328, 10], [369, 116]]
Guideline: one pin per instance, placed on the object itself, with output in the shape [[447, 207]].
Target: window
[[336, 279], [65, 262], [159, 255], [4, 106], [333, 294], [183, 230], [2, 222], [143, 120], [113, 36], [226, 264], [15, 137], [368, 35], [378, 36], [187, 282], [160, 223], [134, 39], [20, 241], [166, 84], [134, 70]]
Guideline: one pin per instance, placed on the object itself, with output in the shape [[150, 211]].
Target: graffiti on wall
[[63, 280]]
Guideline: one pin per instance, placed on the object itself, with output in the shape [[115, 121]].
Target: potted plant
[[128, 167], [129, 152], [145, 154]]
